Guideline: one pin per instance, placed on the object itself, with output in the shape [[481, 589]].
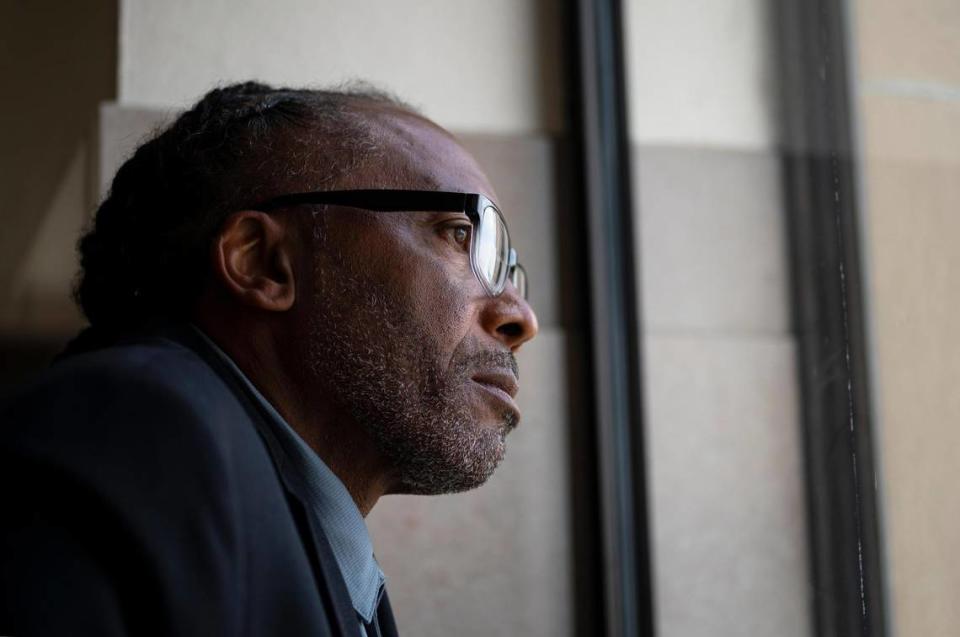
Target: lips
[[502, 386], [502, 380]]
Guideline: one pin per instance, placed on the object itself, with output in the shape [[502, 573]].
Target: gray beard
[[387, 374]]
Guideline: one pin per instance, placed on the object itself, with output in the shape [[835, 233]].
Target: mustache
[[494, 359]]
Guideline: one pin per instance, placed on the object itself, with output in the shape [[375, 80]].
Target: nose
[[509, 318]]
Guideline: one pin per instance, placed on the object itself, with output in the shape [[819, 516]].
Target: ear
[[253, 258]]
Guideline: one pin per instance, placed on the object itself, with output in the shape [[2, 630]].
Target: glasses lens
[[491, 249], [518, 276]]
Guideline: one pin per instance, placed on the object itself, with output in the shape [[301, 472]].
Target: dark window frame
[[819, 174], [621, 600]]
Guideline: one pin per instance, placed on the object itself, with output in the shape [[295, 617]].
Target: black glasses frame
[[386, 200]]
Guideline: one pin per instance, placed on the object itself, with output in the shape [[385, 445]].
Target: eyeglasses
[[492, 259]]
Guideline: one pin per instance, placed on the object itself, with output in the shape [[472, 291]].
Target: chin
[[455, 472]]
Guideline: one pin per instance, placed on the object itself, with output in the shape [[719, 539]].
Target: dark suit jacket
[[139, 498]]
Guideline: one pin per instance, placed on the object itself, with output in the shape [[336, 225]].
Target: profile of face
[[402, 335]]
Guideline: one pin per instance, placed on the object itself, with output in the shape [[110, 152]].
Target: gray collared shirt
[[336, 510]]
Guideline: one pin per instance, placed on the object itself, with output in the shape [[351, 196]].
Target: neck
[[343, 445]]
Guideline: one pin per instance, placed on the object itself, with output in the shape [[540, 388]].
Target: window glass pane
[[723, 440]]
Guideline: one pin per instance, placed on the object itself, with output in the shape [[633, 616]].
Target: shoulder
[[118, 456], [148, 416], [146, 429], [148, 363], [149, 457], [153, 385]]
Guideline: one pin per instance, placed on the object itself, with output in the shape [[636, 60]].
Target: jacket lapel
[[333, 590]]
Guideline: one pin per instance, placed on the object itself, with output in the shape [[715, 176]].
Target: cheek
[[430, 295], [445, 314], [435, 291]]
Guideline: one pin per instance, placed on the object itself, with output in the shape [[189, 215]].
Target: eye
[[460, 234]]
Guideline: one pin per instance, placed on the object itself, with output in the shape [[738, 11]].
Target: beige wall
[[908, 89], [473, 65]]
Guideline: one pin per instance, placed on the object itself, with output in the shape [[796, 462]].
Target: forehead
[[416, 153]]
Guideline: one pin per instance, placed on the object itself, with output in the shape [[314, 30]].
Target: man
[[299, 301]]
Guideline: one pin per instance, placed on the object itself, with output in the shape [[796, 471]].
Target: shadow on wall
[[58, 61], [550, 93]]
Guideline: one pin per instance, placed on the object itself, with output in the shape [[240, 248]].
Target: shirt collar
[[336, 510]]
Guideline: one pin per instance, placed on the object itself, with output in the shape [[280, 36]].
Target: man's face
[[402, 335]]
